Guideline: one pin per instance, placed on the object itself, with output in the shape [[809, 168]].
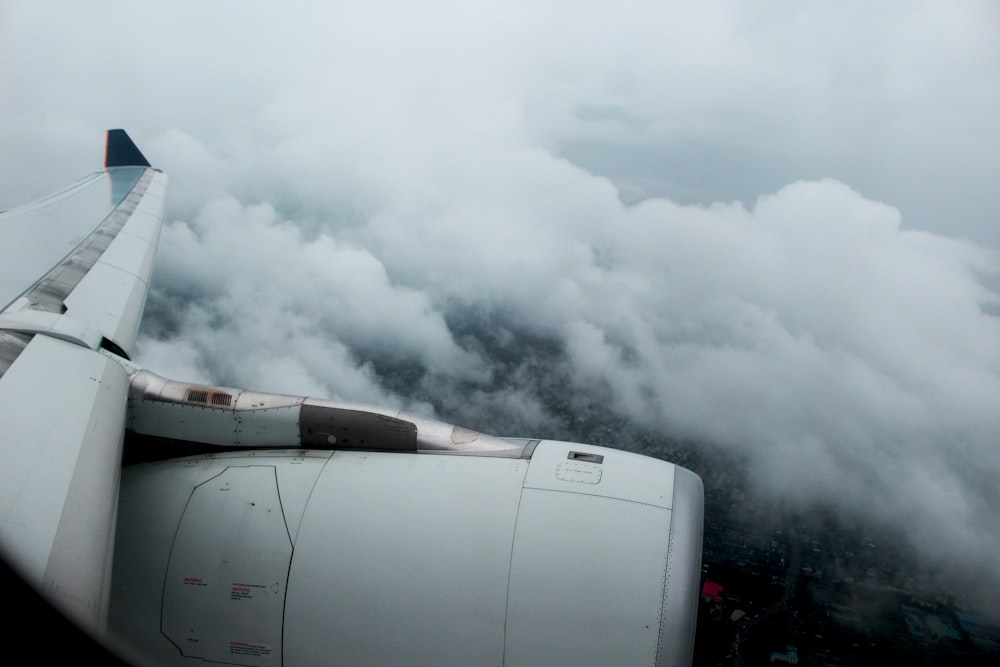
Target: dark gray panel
[[327, 427]]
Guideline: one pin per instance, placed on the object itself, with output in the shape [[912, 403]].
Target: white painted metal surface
[[63, 327], [224, 589], [621, 474], [154, 500], [62, 403], [66, 216], [586, 580], [62, 411], [113, 293], [421, 579], [407, 558]]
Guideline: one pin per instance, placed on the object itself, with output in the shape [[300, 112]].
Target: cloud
[[251, 288], [846, 360]]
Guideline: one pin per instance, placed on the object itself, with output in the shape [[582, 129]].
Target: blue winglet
[[122, 152]]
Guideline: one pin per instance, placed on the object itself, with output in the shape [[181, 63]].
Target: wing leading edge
[[70, 291]]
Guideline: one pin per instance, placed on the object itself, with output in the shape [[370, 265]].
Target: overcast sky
[[773, 229]]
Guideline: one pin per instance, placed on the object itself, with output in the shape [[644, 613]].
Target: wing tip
[[121, 151]]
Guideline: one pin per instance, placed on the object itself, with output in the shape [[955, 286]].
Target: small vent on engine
[[197, 396], [219, 398], [585, 456]]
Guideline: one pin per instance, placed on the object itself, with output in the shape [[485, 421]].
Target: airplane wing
[[74, 272], [251, 528]]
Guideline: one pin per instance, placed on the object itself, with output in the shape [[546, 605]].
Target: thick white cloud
[[844, 359], [277, 293]]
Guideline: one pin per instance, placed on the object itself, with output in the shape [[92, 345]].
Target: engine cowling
[[570, 554]]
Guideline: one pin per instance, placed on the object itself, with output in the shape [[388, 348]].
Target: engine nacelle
[[571, 554]]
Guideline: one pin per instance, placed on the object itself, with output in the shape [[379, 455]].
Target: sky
[[770, 229]]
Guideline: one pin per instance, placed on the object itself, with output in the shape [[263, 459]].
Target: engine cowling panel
[[578, 555]]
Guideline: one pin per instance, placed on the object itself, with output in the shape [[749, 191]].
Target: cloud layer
[[844, 360]]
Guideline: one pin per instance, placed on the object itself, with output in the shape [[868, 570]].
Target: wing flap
[[112, 301], [112, 294]]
